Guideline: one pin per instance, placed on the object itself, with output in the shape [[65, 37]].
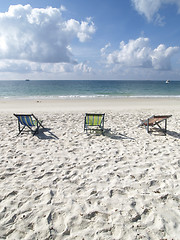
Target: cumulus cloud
[[26, 67], [40, 34], [83, 30], [161, 57], [15, 66], [150, 8], [66, 68], [103, 50], [138, 53], [83, 68]]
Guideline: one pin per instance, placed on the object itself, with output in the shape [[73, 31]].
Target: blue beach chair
[[94, 121], [30, 121]]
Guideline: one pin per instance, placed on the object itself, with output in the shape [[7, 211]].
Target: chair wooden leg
[[20, 130], [165, 126], [19, 127], [36, 131], [148, 126]]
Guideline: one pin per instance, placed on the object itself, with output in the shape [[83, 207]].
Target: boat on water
[[27, 80], [167, 81]]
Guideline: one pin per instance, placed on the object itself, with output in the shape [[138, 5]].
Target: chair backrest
[[26, 120], [94, 119], [158, 118]]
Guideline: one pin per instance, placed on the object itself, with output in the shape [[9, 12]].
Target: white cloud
[[137, 53], [15, 66], [26, 67], [147, 7], [103, 50], [63, 8], [161, 57], [65, 68], [83, 68], [40, 35], [82, 30], [150, 8]]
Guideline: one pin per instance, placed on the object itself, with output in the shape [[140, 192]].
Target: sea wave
[[54, 97]]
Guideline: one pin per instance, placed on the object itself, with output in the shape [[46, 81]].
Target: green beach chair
[[94, 121], [29, 121]]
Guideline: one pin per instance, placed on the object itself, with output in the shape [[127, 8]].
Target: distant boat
[[27, 80], [167, 81]]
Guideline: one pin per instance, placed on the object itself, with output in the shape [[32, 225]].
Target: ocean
[[87, 89]]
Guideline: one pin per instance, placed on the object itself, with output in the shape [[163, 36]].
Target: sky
[[90, 39]]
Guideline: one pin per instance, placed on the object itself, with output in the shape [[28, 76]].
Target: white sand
[[65, 184]]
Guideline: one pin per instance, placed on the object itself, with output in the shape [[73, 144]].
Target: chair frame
[[156, 120], [37, 125], [94, 127]]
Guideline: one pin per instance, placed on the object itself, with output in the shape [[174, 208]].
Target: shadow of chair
[[45, 134], [173, 134], [116, 136]]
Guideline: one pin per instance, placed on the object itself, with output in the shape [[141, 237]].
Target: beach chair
[[155, 120], [94, 121], [29, 121]]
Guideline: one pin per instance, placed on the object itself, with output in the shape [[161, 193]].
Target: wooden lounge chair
[[156, 120], [30, 121], [94, 121]]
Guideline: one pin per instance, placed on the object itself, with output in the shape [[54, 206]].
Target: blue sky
[[90, 39]]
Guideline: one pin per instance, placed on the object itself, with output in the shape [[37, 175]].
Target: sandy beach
[[65, 184]]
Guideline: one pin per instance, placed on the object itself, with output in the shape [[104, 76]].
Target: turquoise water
[[87, 89]]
